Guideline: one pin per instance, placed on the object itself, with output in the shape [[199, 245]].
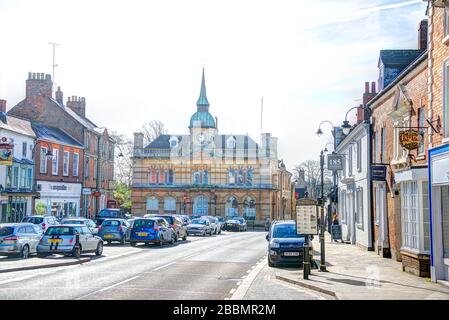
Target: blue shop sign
[[378, 173]]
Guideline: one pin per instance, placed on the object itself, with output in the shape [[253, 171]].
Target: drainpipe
[[370, 184]]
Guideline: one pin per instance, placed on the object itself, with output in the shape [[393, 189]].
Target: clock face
[[201, 138]]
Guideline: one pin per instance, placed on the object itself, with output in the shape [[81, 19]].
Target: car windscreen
[[6, 231], [111, 223], [59, 231], [33, 220], [168, 218], [74, 221], [199, 221], [109, 214], [240, 219], [285, 231], [232, 221], [148, 223]]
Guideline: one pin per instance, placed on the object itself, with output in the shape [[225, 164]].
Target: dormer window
[[230, 143], [173, 142]]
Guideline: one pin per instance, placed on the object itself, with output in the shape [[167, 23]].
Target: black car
[[235, 224], [109, 213], [285, 246], [176, 224]]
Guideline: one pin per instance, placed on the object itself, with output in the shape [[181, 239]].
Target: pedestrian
[[267, 224], [335, 223]]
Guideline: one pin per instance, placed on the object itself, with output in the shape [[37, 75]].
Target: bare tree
[[312, 175], [123, 161], [151, 130]]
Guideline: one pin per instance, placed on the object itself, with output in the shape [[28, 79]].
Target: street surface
[[200, 268]]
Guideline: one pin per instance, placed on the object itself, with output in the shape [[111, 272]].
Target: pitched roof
[[54, 134], [16, 125], [399, 58]]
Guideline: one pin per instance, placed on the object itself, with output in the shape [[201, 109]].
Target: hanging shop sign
[[96, 193], [378, 173], [6, 153], [409, 139], [307, 217], [335, 162]]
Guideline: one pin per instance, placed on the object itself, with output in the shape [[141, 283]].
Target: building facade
[[438, 139], [40, 107], [205, 172]]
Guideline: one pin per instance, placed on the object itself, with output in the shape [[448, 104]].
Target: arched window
[[171, 178], [249, 177], [173, 142], [231, 176], [240, 177], [201, 205], [152, 205], [152, 173], [230, 143], [249, 207], [201, 177], [169, 205], [231, 207]]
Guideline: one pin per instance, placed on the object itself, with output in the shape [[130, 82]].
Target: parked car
[[19, 239], [151, 230], [199, 226], [80, 220], [285, 246], [221, 221], [236, 224], [62, 239], [176, 224], [43, 221], [214, 224], [114, 230], [109, 213], [184, 218]]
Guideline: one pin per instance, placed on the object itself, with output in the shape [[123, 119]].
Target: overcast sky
[[137, 61]]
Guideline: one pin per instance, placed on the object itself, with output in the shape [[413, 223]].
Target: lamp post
[[322, 245]]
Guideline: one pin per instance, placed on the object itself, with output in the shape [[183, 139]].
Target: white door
[[381, 215]]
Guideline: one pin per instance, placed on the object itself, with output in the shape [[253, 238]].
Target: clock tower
[[203, 127]]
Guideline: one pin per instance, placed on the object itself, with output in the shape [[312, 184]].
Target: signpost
[[307, 224]]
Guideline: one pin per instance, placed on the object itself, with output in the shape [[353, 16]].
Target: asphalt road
[[199, 268]]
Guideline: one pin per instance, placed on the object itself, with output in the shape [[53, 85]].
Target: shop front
[[439, 212], [58, 198]]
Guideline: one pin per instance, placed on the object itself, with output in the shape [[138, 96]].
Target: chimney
[[367, 97], [422, 34], [39, 84], [138, 142], [2, 105], [77, 104], [59, 96]]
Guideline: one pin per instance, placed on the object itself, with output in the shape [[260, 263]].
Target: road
[[199, 268]]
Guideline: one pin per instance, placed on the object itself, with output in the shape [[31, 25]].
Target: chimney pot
[[373, 87], [2, 105], [367, 87]]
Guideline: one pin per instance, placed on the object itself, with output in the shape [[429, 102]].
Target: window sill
[[445, 140], [446, 40]]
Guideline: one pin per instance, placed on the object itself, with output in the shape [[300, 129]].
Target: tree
[[122, 194], [151, 130], [312, 177], [123, 162]]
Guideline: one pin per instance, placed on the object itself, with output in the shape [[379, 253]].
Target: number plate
[[54, 240], [142, 234], [291, 254], [108, 236]]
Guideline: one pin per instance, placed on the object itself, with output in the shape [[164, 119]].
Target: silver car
[[80, 220], [214, 224], [19, 239], [63, 239], [43, 221]]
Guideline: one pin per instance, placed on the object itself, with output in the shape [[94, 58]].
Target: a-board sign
[[307, 217], [336, 232]]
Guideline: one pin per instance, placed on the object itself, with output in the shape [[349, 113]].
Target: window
[[359, 155], [43, 160], [342, 202], [230, 143], [382, 146], [350, 161], [152, 205], [161, 177], [231, 177], [55, 162], [446, 99], [375, 151], [152, 174], [65, 163], [95, 168], [24, 149], [76, 157], [171, 178], [29, 178], [359, 207], [23, 177], [410, 218], [249, 177], [445, 220], [446, 21], [170, 205], [421, 119], [201, 177], [87, 167]]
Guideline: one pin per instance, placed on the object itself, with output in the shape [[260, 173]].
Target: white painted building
[[17, 179], [354, 188]]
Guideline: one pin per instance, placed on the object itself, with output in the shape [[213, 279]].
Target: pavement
[[358, 274], [201, 268]]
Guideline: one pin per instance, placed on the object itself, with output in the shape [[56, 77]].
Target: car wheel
[[122, 241], [41, 255], [25, 253], [270, 264], [76, 252], [133, 244], [185, 237], [99, 250]]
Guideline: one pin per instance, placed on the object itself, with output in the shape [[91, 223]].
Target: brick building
[[204, 172], [400, 208], [438, 137], [41, 108]]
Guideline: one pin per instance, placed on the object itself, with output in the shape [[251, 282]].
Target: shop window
[[410, 214], [445, 219]]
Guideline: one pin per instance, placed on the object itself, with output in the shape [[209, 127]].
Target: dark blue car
[[151, 230], [285, 246]]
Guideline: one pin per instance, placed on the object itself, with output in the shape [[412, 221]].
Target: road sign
[[307, 217], [334, 162]]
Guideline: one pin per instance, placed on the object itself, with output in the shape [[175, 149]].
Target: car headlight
[[274, 245]]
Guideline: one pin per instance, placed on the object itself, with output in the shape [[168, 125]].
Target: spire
[[202, 103]]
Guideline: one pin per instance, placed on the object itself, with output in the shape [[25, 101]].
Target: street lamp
[[346, 126], [320, 132]]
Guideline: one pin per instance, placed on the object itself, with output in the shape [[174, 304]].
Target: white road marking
[[232, 291], [107, 288], [246, 283], [164, 266]]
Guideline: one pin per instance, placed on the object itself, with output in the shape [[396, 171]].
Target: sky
[[137, 61]]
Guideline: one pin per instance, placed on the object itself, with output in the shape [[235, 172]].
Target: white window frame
[[43, 161], [66, 163], [23, 178], [76, 159], [29, 179], [55, 162], [359, 155], [24, 149], [350, 161], [359, 207]]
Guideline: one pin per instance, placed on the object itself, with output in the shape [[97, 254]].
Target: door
[[381, 216], [32, 238], [90, 238], [201, 206]]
